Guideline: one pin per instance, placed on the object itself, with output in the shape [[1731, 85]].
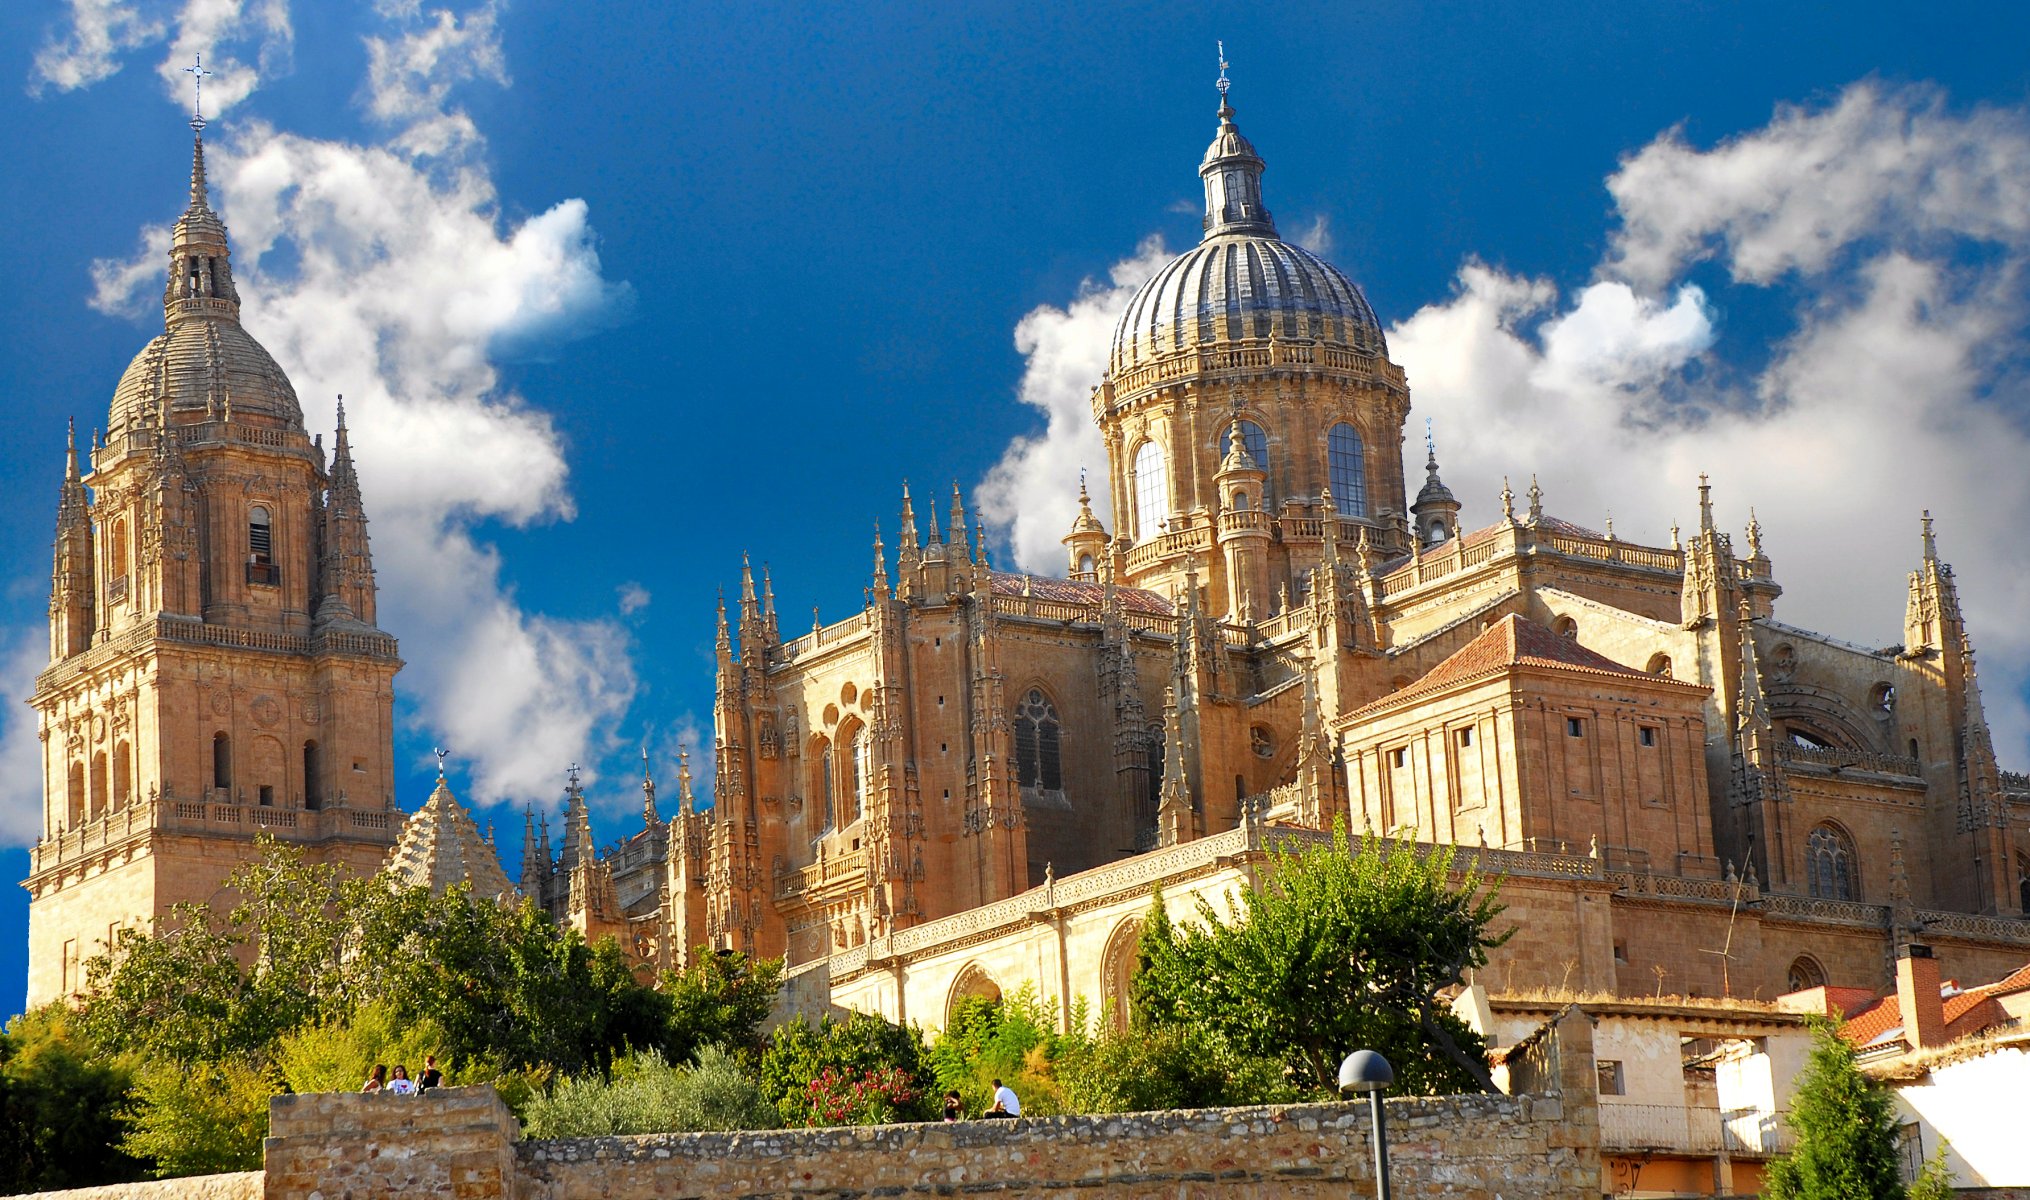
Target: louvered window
[[1037, 744]]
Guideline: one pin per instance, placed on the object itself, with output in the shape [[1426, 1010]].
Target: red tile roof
[[1509, 643], [1043, 587], [1967, 1012]]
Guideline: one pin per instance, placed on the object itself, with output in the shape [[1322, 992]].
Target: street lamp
[[1366, 1071]]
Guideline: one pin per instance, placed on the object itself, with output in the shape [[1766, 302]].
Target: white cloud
[[102, 32], [1031, 496], [633, 598], [23, 655], [386, 272], [1316, 236]]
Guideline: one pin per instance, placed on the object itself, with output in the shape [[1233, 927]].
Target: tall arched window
[[1347, 470], [119, 549], [221, 761], [859, 765], [1037, 744], [98, 786], [1256, 439], [260, 535], [2022, 881], [1829, 864], [74, 813], [1152, 491], [825, 785], [123, 774], [313, 777]]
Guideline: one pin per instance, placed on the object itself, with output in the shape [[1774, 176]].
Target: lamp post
[[1366, 1071]]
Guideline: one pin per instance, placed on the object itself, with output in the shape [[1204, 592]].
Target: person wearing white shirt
[[1005, 1102]]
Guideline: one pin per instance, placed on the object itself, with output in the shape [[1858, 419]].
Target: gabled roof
[[1878, 1021], [1043, 587], [441, 845], [1510, 643]]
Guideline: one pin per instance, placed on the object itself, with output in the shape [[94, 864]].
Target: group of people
[[401, 1084], [1006, 1105]]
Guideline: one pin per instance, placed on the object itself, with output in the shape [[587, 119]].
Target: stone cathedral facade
[[975, 781]]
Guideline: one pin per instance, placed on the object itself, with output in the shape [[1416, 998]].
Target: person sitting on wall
[[954, 1108], [1006, 1106], [401, 1084], [376, 1078], [431, 1076]]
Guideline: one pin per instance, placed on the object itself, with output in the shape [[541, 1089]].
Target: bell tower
[[215, 671]]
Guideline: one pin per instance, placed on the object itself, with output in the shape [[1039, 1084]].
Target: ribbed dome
[[195, 364], [1243, 282], [1232, 288]]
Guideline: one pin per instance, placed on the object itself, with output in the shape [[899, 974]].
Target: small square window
[[1465, 738], [1647, 735], [1398, 756], [1621, 952], [1575, 726], [1611, 1081]]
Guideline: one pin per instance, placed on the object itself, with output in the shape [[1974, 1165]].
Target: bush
[[877, 1097], [647, 1095], [1167, 1067], [799, 1052], [1013, 1040], [336, 1056], [200, 1120]]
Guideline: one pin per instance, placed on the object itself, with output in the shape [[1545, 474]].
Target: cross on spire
[[1223, 84], [197, 75]]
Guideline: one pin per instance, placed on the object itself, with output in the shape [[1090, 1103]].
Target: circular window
[[1264, 745]]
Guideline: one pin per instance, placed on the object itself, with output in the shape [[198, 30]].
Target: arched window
[[1829, 864], [1152, 491], [221, 761], [1257, 442], [859, 764], [119, 549], [1085, 564], [313, 777], [74, 813], [1567, 628], [1037, 744], [1346, 470], [123, 774], [824, 788], [1805, 973], [260, 536], [1660, 664], [1241, 502], [2023, 883], [98, 786]]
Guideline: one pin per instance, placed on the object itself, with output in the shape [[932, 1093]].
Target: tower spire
[[1232, 173]]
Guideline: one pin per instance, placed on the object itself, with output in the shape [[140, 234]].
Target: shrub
[[877, 1097], [647, 1095], [1013, 1040], [63, 1106], [335, 1056], [799, 1052], [1166, 1067]]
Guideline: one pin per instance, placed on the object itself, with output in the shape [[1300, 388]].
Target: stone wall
[[453, 1143], [244, 1185]]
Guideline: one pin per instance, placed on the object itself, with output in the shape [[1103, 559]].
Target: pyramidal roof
[[441, 845], [1510, 643]]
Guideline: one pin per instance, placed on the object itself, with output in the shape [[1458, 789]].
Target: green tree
[[644, 1094], [202, 1119], [1013, 1039], [63, 1107], [1173, 1066], [1846, 1131], [721, 999], [335, 1056], [1338, 948]]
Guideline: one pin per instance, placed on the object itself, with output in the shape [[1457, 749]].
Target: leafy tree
[[200, 1120], [1338, 948], [1013, 1039], [1846, 1131], [799, 1052], [1934, 1181], [63, 1107], [335, 1056], [721, 999]]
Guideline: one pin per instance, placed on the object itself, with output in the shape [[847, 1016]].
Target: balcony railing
[[1691, 1129], [266, 573]]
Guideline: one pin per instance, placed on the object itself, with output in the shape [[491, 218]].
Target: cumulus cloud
[[386, 272], [633, 598], [102, 32], [1316, 236], [23, 655], [1030, 497]]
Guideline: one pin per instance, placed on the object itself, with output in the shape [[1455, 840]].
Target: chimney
[[1917, 995]]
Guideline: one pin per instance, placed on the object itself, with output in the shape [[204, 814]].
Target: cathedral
[[975, 782]]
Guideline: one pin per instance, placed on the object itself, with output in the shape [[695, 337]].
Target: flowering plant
[[850, 1097]]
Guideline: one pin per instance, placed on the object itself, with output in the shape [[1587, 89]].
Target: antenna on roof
[[197, 74]]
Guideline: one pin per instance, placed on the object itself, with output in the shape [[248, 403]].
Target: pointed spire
[[534, 862], [1705, 504], [724, 639], [1930, 541], [1232, 174], [687, 803], [1173, 814], [880, 564], [70, 458], [750, 608], [959, 536], [937, 533], [649, 816], [1753, 711]]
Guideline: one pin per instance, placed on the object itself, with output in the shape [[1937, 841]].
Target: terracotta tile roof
[[1511, 642], [1043, 587], [1967, 1012]]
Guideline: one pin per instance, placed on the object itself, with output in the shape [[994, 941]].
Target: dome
[[1243, 282], [195, 364], [1234, 288]]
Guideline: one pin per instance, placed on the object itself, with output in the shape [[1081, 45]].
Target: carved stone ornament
[[221, 702], [265, 711], [312, 712]]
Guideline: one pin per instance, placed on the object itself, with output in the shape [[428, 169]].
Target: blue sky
[[616, 292]]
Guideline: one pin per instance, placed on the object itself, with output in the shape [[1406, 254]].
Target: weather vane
[[441, 755], [1430, 447], [197, 73], [1223, 84]]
